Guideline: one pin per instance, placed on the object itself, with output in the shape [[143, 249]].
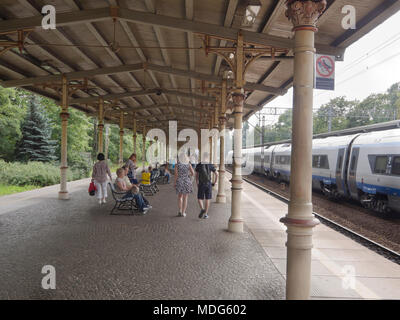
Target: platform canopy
[[157, 58]]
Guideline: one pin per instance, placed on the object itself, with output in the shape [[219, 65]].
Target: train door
[[339, 171], [271, 162], [352, 180], [262, 159]]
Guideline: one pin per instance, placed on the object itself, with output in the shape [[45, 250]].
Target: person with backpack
[[204, 185]]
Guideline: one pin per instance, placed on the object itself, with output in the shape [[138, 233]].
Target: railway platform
[[341, 268], [162, 256]]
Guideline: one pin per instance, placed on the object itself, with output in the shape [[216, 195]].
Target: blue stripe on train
[[325, 180], [367, 188], [373, 189]]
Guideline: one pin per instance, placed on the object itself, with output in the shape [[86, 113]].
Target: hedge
[[35, 173]]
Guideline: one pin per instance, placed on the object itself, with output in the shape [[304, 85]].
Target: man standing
[[204, 185]]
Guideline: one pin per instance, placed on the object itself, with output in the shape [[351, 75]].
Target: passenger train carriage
[[361, 166], [374, 170]]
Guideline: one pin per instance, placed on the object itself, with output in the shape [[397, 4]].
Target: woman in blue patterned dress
[[183, 183]]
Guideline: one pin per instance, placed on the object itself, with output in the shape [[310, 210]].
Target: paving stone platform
[[157, 256]]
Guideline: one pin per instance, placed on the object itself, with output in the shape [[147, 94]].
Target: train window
[[315, 160], [353, 162], [320, 161], [323, 162], [282, 159], [380, 164], [266, 160], [340, 162], [396, 166]]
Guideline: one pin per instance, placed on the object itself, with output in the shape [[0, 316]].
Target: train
[[363, 166]]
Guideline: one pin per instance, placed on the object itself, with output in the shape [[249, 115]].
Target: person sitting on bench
[[152, 172], [131, 192], [129, 184], [165, 172]]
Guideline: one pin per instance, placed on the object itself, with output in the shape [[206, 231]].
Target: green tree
[[35, 144], [336, 109], [12, 114], [394, 99], [283, 127], [373, 109], [79, 136]]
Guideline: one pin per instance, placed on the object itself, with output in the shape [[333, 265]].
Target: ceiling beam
[[188, 95], [75, 75], [230, 13], [176, 106], [189, 8], [58, 32], [118, 96], [218, 31], [63, 19], [279, 8], [184, 73], [113, 96], [135, 67], [140, 52], [103, 42], [156, 20], [161, 41]]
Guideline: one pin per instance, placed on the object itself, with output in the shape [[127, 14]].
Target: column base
[[235, 225], [221, 198], [63, 195]]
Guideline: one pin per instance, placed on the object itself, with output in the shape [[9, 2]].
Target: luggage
[[92, 189]]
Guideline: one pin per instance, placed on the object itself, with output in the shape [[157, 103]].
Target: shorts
[[134, 181], [204, 191]]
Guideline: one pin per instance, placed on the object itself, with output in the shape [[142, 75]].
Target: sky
[[371, 65]]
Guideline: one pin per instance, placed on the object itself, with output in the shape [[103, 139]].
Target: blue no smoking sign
[[324, 72]]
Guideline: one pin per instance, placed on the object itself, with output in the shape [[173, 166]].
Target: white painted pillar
[[144, 149], [63, 193], [121, 139], [236, 221], [134, 132], [100, 126], [221, 197], [300, 220]]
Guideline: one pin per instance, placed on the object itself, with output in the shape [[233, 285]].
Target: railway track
[[373, 244]]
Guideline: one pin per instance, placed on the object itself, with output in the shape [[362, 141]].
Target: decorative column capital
[[121, 132], [304, 14], [238, 97], [100, 126], [222, 120], [64, 116]]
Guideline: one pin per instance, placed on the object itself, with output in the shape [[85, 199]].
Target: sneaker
[[149, 207], [184, 214], [104, 200], [205, 216], [202, 213], [100, 201], [179, 214]]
